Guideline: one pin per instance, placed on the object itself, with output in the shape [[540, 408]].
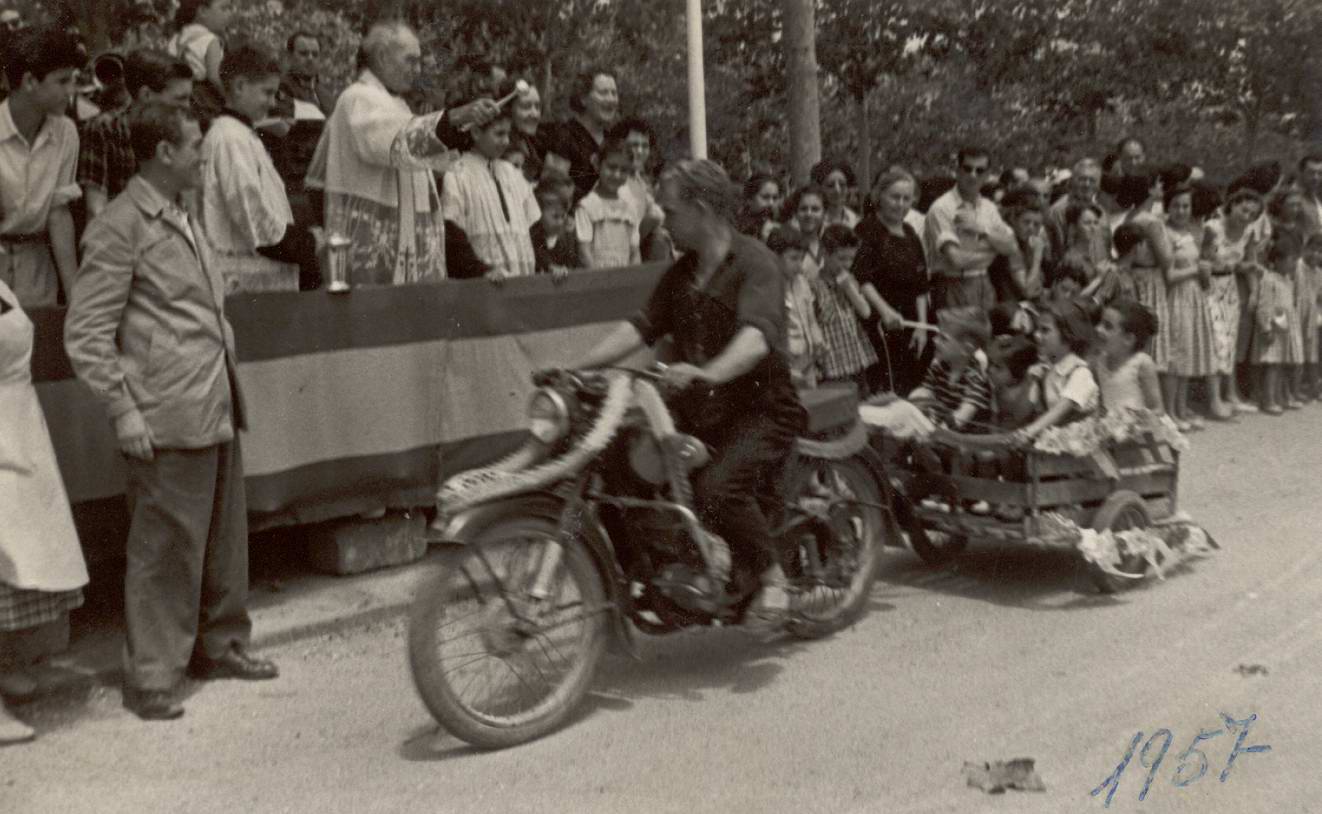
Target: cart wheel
[[936, 548], [1122, 511]]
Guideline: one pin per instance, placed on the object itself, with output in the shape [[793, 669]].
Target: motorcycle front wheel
[[496, 665], [838, 559]]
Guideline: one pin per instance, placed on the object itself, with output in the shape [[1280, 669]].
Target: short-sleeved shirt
[[106, 159], [748, 289], [35, 177], [1071, 379], [953, 390], [945, 224], [610, 227]]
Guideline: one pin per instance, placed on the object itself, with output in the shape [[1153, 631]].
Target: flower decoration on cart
[[1089, 435], [1161, 546]]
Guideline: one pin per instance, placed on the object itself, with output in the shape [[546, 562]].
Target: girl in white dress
[[1125, 372]]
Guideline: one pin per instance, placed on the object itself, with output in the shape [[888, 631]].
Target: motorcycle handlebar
[[580, 378]]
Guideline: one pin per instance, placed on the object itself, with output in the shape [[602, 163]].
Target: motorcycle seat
[[830, 407]]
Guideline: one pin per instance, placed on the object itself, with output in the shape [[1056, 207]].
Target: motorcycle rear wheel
[[538, 666], [833, 598]]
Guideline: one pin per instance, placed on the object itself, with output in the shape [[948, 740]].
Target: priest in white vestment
[[376, 160]]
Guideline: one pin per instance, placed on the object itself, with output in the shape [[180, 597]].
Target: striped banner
[[356, 401]]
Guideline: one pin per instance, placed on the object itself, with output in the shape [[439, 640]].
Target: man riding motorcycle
[[722, 304]]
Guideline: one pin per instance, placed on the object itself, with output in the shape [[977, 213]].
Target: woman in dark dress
[[893, 274], [595, 102]]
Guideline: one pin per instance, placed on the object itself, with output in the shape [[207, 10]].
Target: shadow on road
[[1007, 575], [430, 743]]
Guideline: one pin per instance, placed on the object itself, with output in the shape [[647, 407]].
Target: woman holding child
[[1139, 196], [595, 102]]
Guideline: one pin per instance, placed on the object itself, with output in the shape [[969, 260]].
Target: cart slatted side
[[1061, 493], [1072, 486]]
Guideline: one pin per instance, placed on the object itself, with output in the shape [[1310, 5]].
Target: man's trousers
[[186, 588]]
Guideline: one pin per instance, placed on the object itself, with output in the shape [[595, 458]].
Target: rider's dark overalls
[[749, 423]]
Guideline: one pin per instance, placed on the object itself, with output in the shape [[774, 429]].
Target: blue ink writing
[[1156, 764], [1193, 761]]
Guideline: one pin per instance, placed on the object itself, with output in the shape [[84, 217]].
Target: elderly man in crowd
[[376, 159], [106, 162], [964, 233], [147, 334], [1085, 184]]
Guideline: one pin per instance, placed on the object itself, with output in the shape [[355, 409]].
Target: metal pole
[[697, 83]]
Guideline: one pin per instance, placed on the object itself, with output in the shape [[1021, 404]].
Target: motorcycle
[[589, 531]]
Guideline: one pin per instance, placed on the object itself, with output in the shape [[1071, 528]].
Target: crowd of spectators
[[1010, 300], [1214, 287]]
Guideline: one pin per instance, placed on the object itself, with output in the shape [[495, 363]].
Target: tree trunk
[[548, 86], [1251, 122], [864, 144], [805, 122]]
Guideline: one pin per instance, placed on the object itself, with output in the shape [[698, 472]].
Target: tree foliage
[[1037, 80]]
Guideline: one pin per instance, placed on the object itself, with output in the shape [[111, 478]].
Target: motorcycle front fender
[[468, 524]]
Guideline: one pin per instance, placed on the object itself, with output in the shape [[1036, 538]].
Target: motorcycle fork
[[548, 561], [553, 552]]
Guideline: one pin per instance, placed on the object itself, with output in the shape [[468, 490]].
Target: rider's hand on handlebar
[[680, 376]]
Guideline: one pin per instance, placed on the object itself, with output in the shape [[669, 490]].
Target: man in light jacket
[[147, 333]]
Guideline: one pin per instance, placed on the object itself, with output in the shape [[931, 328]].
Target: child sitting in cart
[[956, 393], [1064, 336], [1017, 400], [1016, 392], [1126, 374]]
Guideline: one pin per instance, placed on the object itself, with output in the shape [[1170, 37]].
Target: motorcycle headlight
[[548, 416]]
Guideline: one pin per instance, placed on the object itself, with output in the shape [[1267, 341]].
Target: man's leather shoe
[[234, 664], [152, 705]]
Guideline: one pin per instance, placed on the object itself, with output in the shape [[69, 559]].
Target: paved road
[[1009, 655]]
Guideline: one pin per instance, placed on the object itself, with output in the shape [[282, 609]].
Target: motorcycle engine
[[689, 588]]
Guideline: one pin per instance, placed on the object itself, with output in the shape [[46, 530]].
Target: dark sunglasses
[[973, 170]]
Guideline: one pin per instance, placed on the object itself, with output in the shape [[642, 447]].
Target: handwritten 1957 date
[[1193, 761]]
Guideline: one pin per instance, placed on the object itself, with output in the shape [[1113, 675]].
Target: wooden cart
[[1124, 486]]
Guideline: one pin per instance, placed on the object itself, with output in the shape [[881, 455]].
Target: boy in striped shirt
[[956, 393]]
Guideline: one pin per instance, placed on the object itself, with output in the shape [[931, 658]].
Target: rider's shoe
[[769, 609]]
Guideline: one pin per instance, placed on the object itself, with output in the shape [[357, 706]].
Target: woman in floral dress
[[1227, 244], [1193, 354]]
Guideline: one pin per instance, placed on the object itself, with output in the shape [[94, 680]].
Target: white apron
[[39, 547]]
